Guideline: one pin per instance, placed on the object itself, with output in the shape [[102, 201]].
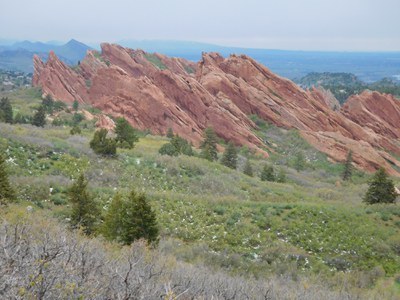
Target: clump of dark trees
[[126, 137]]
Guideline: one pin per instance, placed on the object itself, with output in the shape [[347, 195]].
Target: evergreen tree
[[268, 173], [7, 193], [381, 189], [39, 118], [248, 169], [170, 133], [102, 145], [126, 134], [140, 220], [84, 209], [229, 158], [131, 219], [75, 105], [6, 110], [113, 220], [181, 145], [209, 145], [281, 178], [348, 167]]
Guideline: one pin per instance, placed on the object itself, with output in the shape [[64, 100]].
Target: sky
[[339, 25]]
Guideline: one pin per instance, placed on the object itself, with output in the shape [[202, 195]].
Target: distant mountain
[[31, 46], [19, 56], [73, 51], [368, 66]]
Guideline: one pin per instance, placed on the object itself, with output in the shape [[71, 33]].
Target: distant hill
[[19, 56], [367, 66], [344, 85]]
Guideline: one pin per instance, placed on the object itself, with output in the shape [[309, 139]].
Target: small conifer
[[209, 145], [381, 189]]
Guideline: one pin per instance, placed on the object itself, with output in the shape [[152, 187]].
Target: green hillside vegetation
[[312, 236], [343, 85]]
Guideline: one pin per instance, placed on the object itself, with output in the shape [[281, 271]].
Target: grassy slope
[[307, 227]]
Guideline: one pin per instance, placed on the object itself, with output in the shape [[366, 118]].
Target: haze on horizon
[[340, 25]]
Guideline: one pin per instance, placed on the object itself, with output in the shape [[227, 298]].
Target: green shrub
[[100, 144]]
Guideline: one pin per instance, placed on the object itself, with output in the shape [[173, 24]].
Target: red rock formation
[[58, 80], [379, 112], [105, 122], [157, 92]]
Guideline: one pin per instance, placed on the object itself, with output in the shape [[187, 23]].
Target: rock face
[[105, 122], [155, 92], [58, 80]]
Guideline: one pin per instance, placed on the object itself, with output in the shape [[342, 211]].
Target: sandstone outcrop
[[155, 92], [105, 122]]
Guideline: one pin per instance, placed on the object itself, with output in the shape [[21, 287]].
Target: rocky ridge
[[155, 92]]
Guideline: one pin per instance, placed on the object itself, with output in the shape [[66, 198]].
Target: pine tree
[[130, 219], [6, 109], [7, 193], [140, 220], [248, 169], [348, 167], [268, 173], [381, 189], [229, 158], [126, 134], [102, 145], [84, 209], [113, 220], [209, 145], [39, 118]]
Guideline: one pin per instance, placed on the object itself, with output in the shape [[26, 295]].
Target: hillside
[[344, 85], [155, 92], [308, 238]]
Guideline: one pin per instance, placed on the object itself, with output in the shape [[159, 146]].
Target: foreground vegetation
[[309, 237]]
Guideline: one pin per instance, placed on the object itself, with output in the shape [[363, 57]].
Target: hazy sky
[[278, 24]]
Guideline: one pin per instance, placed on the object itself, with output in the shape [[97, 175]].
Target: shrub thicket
[[248, 169], [102, 145], [268, 173]]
